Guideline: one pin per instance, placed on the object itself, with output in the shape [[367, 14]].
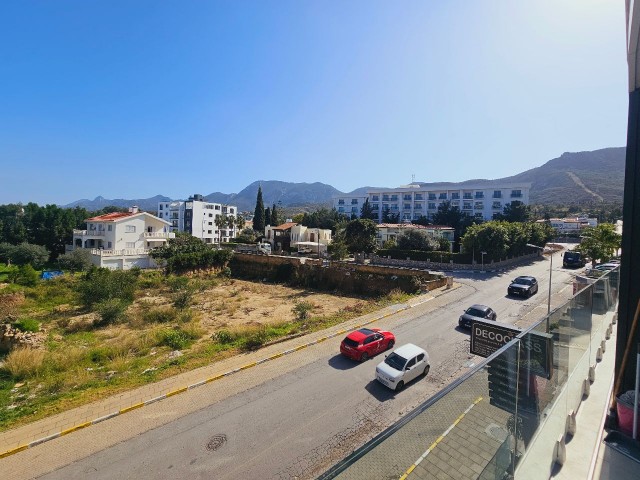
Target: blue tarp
[[48, 275]]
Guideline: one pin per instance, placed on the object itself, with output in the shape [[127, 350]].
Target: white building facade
[[391, 231], [197, 217], [410, 202], [123, 240]]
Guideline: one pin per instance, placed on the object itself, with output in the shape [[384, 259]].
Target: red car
[[366, 342]]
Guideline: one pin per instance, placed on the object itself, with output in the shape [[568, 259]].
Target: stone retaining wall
[[502, 265]]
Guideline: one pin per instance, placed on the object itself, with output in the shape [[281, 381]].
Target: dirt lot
[[242, 302]]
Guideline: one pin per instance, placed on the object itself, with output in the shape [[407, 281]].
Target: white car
[[404, 364]]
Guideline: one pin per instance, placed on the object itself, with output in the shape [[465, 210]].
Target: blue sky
[[132, 99]]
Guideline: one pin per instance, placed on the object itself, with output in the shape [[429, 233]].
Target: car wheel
[[390, 345], [400, 386], [364, 357], [426, 370]]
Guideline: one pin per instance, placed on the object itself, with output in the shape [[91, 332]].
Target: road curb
[[178, 391]]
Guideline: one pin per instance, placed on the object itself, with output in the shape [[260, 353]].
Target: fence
[[508, 263]]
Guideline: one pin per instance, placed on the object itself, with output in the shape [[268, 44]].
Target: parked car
[[523, 286], [571, 259], [366, 343], [476, 311], [605, 267], [404, 364]]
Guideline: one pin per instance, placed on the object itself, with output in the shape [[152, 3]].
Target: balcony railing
[[512, 412], [161, 235], [120, 253], [89, 233]]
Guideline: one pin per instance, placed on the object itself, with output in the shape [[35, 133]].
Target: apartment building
[[571, 225], [122, 240], [198, 217], [410, 202]]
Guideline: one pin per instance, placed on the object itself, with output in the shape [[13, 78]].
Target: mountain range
[[572, 178]]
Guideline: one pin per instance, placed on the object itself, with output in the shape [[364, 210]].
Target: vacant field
[[168, 325]]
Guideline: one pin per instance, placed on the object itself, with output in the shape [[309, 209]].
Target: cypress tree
[[258, 214], [274, 215], [267, 216]]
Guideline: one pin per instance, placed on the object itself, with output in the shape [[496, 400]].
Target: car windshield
[[475, 312], [571, 255], [395, 361], [522, 281]]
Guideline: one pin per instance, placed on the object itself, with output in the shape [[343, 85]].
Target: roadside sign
[[487, 337]]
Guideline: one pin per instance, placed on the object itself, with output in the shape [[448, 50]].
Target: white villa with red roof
[[123, 240]]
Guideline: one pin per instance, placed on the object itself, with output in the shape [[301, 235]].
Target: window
[[466, 206], [497, 194], [432, 196], [407, 206], [516, 193], [354, 209], [354, 201], [497, 205], [406, 216], [131, 244], [479, 216], [374, 206], [394, 198], [160, 206], [432, 206], [130, 229], [442, 196], [211, 215], [418, 196], [421, 357], [466, 195], [479, 194], [411, 363], [210, 223], [109, 245], [385, 198], [217, 207], [407, 197], [478, 206], [341, 209], [109, 227], [455, 196], [417, 206], [375, 198], [341, 201]]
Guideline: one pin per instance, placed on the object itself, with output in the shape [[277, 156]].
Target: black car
[[573, 259], [523, 286], [476, 311]]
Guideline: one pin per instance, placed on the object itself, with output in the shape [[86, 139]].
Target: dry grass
[[24, 362]]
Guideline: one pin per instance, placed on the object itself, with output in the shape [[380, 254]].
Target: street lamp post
[[550, 270], [483, 254]]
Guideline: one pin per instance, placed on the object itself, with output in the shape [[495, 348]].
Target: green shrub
[[25, 275], [178, 283], [110, 311], [183, 298], [160, 315], [224, 337], [24, 362], [27, 325], [151, 280], [255, 339], [175, 339], [301, 309], [100, 284]]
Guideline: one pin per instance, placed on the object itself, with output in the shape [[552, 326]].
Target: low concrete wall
[[504, 264], [346, 277]]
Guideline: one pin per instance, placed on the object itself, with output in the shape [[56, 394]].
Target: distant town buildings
[[571, 225], [410, 202], [201, 219], [122, 240], [391, 231]]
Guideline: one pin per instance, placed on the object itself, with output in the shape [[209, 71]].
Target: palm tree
[[600, 242], [221, 222]]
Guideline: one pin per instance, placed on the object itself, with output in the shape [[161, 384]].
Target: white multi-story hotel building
[[197, 217], [410, 202]]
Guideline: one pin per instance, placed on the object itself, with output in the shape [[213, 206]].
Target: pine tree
[[258, 214]]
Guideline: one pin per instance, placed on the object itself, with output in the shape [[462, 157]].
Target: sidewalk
[[31, 435]]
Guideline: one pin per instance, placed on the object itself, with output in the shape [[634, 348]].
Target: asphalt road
[[297, 419]]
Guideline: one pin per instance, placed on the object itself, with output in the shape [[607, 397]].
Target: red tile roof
[[111, 217], [285, 226]]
